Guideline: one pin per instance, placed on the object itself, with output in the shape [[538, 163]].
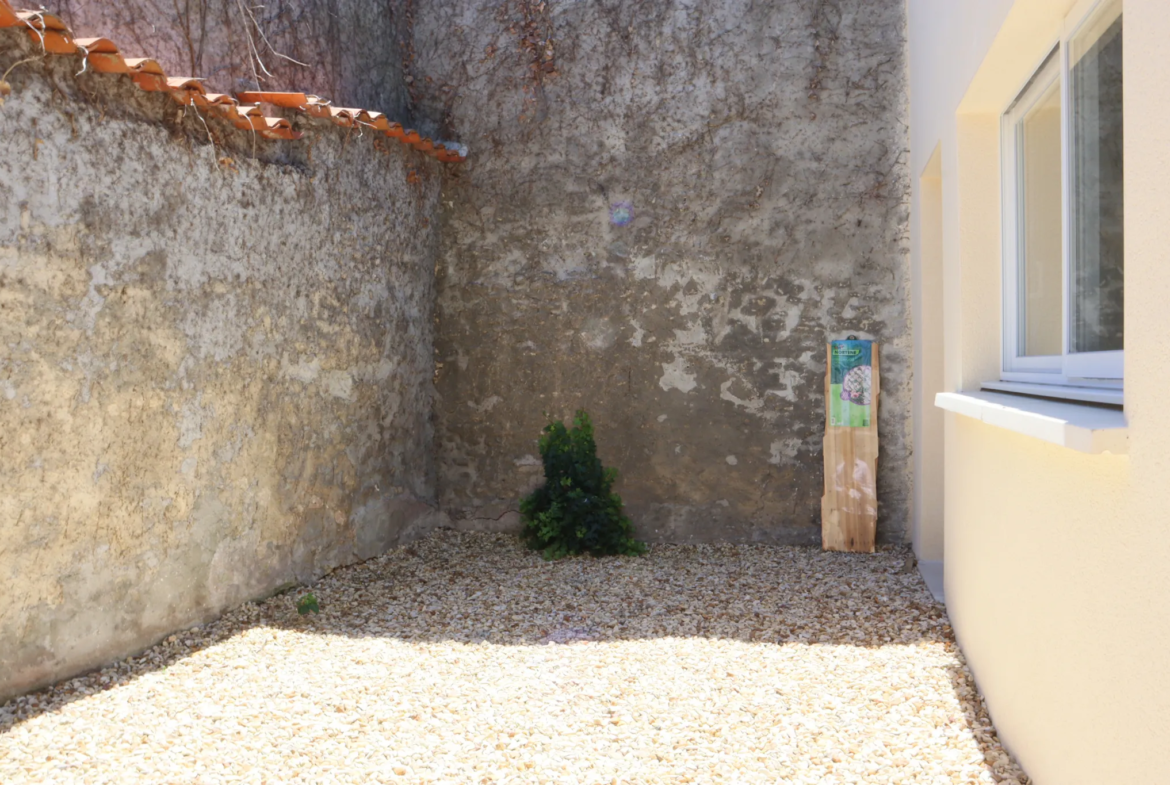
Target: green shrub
[[575, 511], [308, 604]]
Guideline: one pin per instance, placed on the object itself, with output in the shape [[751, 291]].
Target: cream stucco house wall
[[1050, 510]]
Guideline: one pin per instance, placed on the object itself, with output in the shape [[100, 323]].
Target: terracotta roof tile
[[247, 117], [278, 128], [145, 65], [8, 17], [214, 101], [184, 89], [186, 83], [230, 113], [346, 118], [49, 31], [318, 107], [97, 45], [373, 119], [103, 56], [147, 74]]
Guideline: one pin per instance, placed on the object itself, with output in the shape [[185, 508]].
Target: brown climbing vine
[[534, 33], [236, 44], [530, 23]]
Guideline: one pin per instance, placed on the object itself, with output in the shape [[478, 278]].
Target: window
[[1063, 211]]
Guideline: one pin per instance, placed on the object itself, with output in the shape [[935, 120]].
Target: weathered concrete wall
[[760, 152], [215, 369]]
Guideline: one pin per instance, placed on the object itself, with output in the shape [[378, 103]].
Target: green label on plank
[[850, 383]]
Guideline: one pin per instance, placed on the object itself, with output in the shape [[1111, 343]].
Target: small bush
[[308, 604], [575, 511]]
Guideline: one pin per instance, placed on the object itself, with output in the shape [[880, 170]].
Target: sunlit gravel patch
[[466, 659]]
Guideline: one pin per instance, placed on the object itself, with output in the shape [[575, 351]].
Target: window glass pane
[[1040, 237], [1097, 239]]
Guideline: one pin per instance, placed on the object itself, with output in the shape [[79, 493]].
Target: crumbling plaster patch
[[722, 181], [217, 368]]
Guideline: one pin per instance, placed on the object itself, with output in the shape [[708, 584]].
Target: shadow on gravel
[[486, 589], [979, 721]]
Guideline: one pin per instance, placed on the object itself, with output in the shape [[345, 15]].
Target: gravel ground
[[466, 659]]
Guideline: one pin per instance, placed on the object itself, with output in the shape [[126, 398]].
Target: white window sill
[[1090, 429], [1110, 395]]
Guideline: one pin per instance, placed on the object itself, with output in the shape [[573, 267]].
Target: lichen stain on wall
[[664, 221], [215, 371]]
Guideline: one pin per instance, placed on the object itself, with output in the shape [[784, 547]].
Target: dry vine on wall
[[335, 48], [530, 23]]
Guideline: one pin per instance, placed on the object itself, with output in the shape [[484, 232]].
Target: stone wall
[[670, 207], [215, 362]]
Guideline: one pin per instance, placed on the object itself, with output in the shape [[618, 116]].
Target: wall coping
[[247, 110]]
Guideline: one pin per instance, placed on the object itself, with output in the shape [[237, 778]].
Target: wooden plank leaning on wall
[[849, 506]]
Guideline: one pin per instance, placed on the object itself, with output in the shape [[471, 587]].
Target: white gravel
[[466, 659]]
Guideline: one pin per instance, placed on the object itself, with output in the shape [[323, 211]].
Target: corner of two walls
[[219, 364]]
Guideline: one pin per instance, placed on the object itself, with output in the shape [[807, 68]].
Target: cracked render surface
[[464, 658]]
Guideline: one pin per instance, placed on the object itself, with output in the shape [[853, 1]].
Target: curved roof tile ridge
[[50, 32]]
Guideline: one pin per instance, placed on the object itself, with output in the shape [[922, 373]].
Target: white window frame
[[1084, 369]]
